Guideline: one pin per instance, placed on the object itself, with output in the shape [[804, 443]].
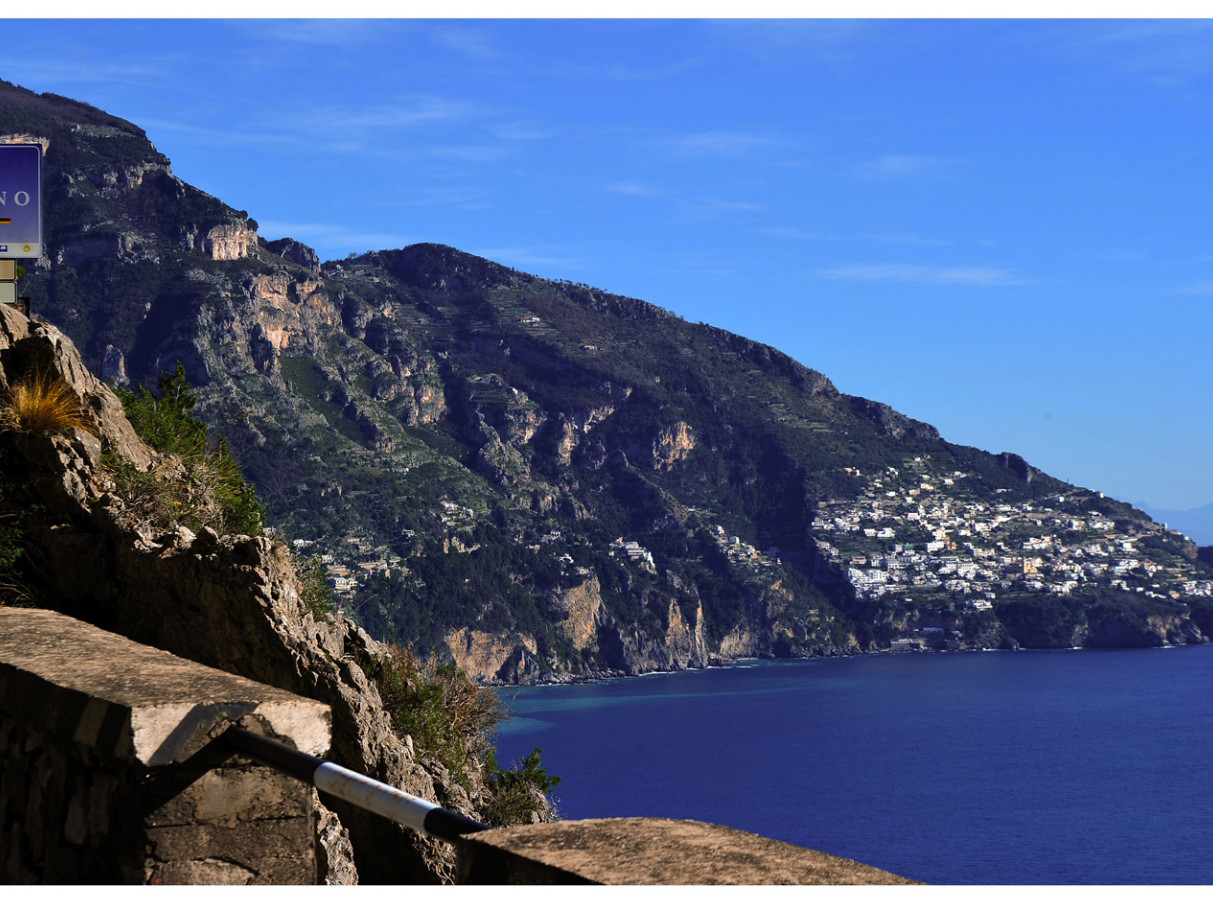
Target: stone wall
[[113, 770], [649, 851], [110, 771], [72, 816]]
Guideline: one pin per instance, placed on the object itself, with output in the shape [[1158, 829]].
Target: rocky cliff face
[[534, 478], [232, 603]]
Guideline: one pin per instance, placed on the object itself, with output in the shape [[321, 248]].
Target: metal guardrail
[[364, 792]]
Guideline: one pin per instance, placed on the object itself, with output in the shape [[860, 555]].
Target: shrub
[[43, 404], [451, 720], [198, 483], [166, 422], [13, 592], [520, 795], [314, 588], [169, 494]]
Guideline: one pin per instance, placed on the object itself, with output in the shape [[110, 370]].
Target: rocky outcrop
[[1018, 466], [742, 641], [293, 251], [231, 603], [499, 659], [113, 367], [685, 639], [223, 242], [26, 139], [672, 445], [1109, 629], [28, 348], [291, 311], [584, 612], [499, 462]]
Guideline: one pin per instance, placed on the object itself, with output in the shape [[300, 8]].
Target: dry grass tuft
[[43, 404]]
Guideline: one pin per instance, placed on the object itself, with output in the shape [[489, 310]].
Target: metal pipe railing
[[364, 792]]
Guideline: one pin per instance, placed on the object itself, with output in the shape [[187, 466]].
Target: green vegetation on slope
[[209, 488], [451, 721]]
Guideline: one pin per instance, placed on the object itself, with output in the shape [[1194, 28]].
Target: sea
[[1085, 767]]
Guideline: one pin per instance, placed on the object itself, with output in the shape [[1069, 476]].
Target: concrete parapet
[[649, 851], [108, 772]]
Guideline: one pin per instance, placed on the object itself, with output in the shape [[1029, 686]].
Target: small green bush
[[12, 548], [449, 717], [452, 720], [521, 794], [15, 548], [200, 482], [166, 422], [314, 588]]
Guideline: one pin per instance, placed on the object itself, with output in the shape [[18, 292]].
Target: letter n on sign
[[20, 201]]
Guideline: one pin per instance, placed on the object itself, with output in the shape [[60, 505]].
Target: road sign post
[[20, 201]]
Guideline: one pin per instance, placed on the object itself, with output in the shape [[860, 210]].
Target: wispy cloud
[[349, 128], [909, 238], [704, 208], [632, 188], [407, 127], [792, 233], [617, 72], [524, 131], [224, 138], [971, 276], [895, 166], [724, 143], [529, 257], [43, 74], [473, 43], [325, 236], [472, 153], [410, 195], [1121, 255], [1163, 51], [793, 41], [709, 205], [403, 112], [317, 32], [1204, 289]]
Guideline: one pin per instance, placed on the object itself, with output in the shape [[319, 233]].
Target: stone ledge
[[132, 702], [649, 851]]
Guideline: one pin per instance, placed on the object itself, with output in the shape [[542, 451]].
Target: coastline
[[554, 679]]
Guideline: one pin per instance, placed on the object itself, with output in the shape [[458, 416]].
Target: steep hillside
[[544, 479]]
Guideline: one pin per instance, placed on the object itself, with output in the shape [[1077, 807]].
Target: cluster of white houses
[[909, 532]]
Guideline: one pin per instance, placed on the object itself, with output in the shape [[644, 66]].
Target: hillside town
[[914, 531]]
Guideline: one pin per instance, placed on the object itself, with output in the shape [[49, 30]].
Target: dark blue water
[[1071, 767]]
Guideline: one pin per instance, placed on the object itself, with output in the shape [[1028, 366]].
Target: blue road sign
[[20, 201]]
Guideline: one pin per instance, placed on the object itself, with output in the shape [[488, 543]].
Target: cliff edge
[[234, 602]]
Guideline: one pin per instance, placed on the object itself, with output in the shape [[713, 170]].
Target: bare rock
[[293, 251], [27, 347], [232, 603]]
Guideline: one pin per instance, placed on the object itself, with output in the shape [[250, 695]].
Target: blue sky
[[999, 227]]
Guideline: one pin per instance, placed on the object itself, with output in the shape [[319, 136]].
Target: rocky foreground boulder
[[231, 602]]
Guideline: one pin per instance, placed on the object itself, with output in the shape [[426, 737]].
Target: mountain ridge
[[544, 480]]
